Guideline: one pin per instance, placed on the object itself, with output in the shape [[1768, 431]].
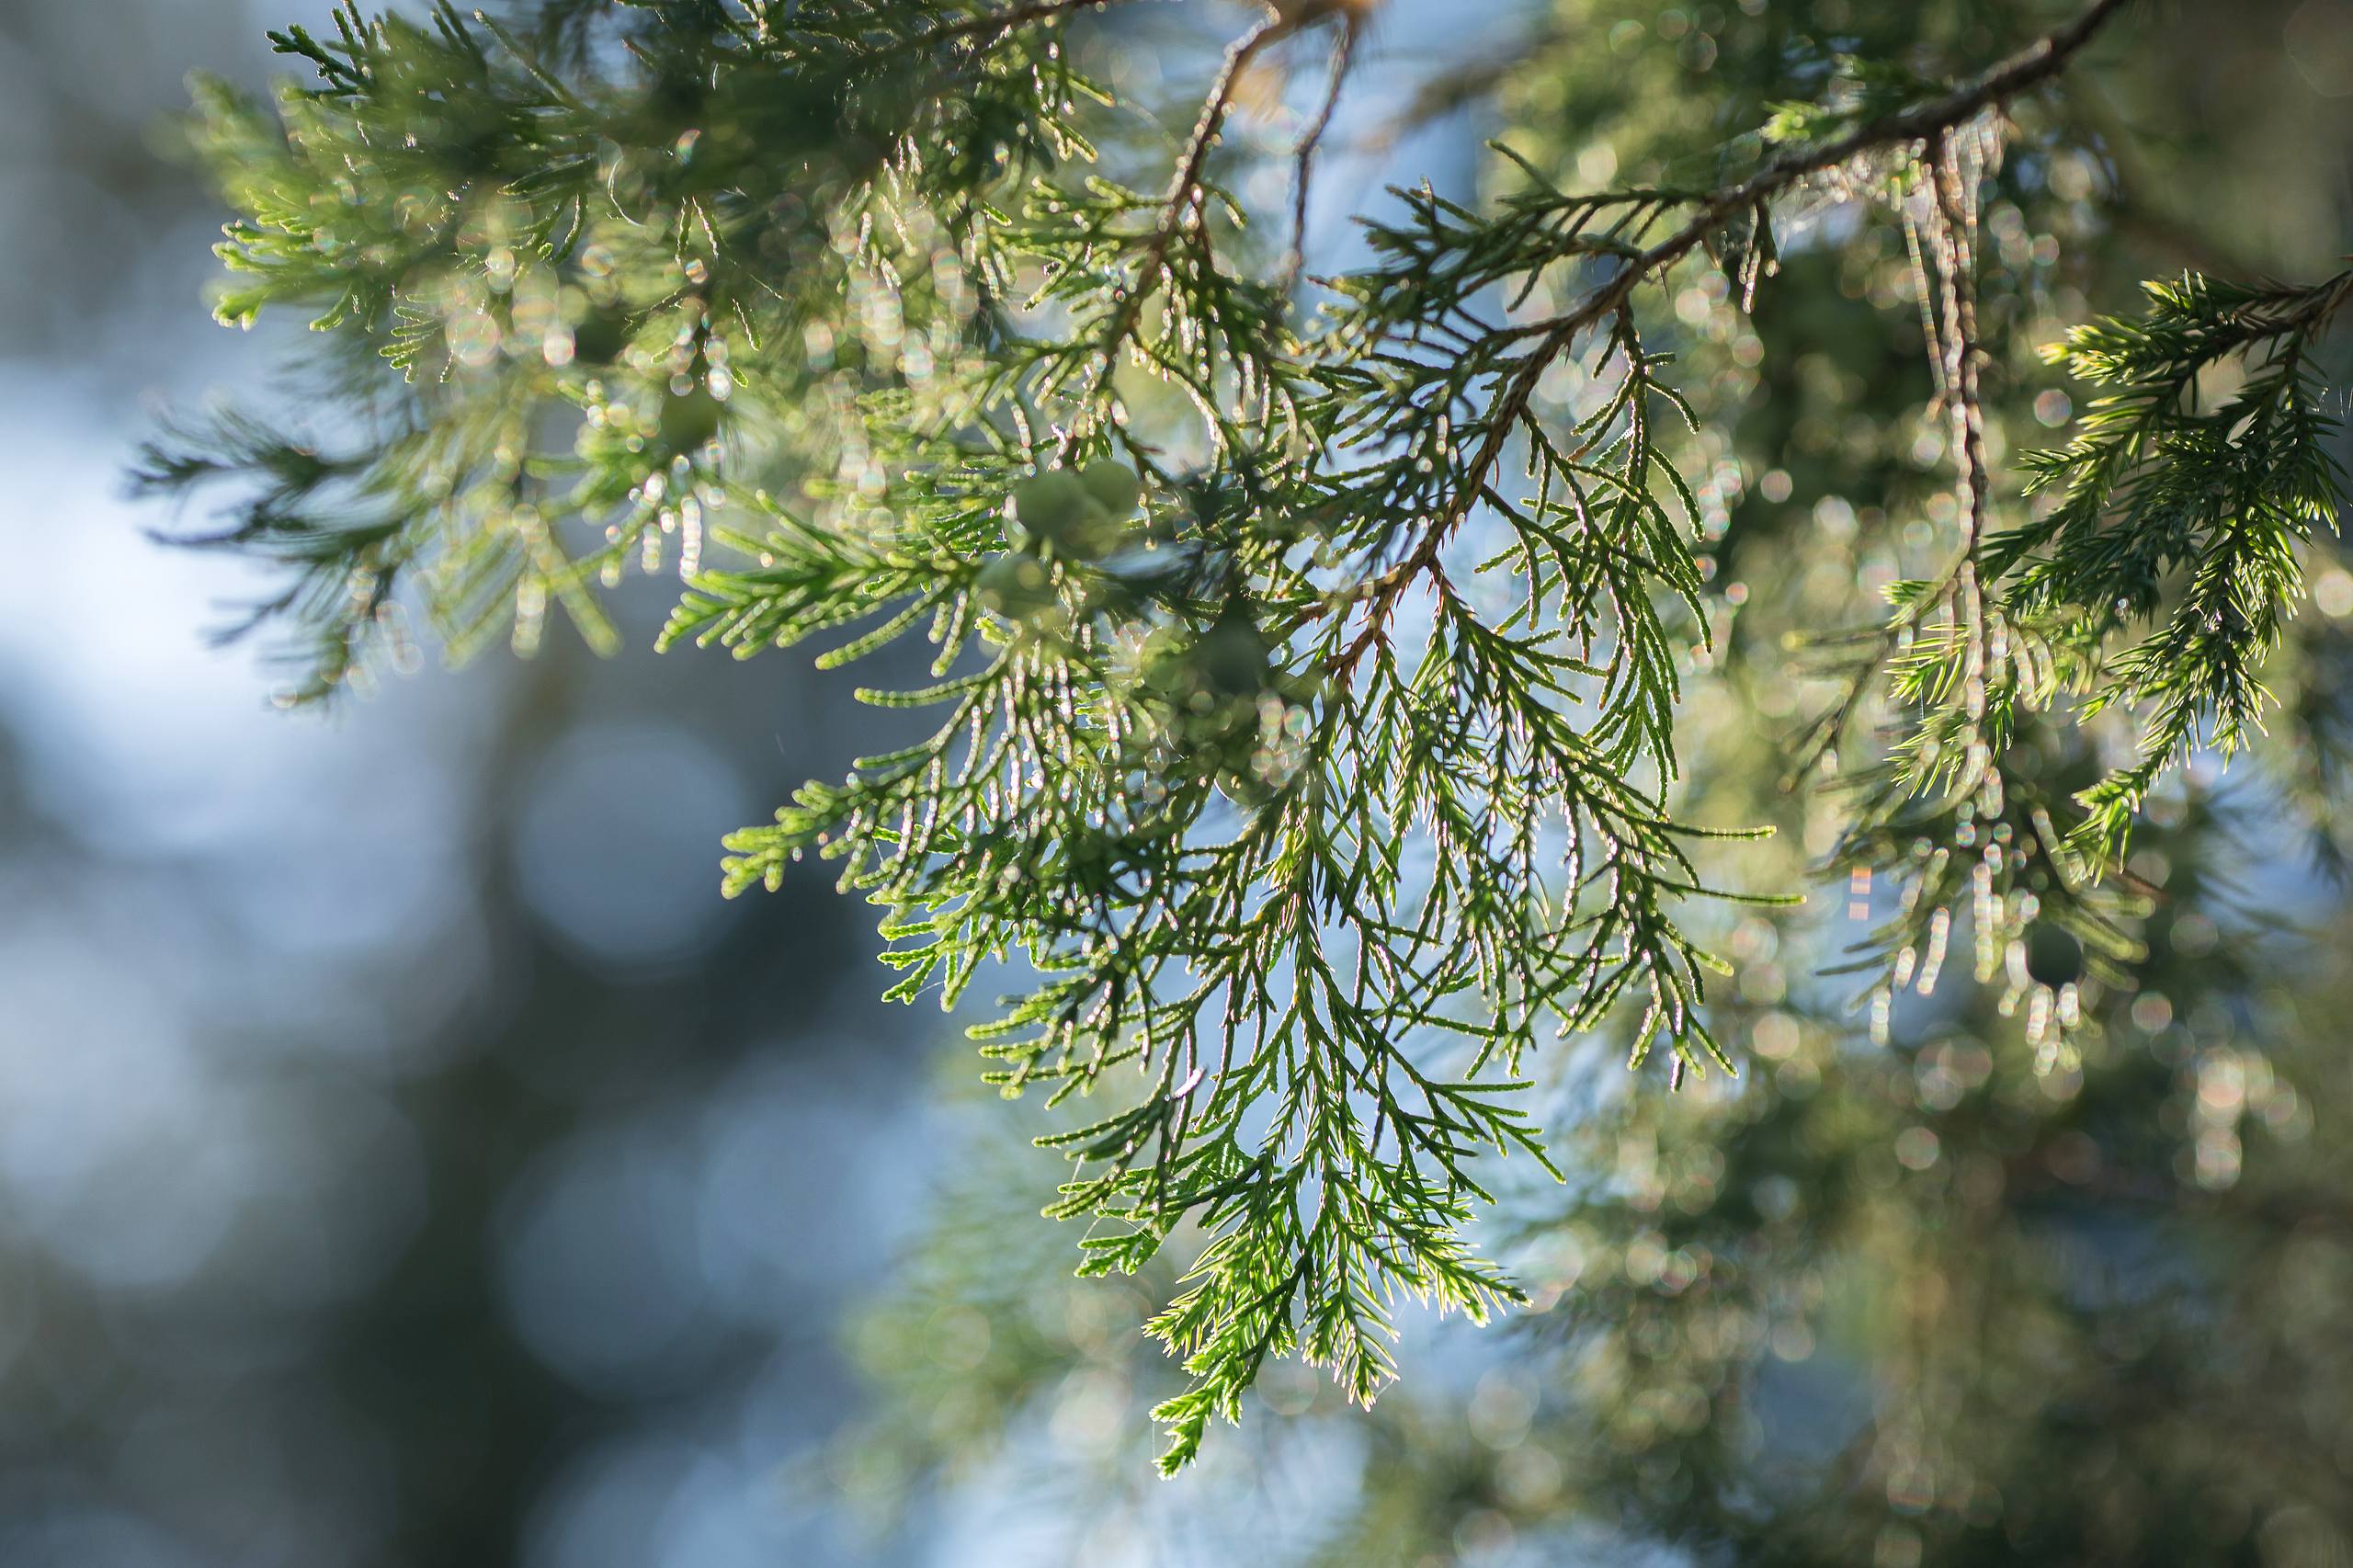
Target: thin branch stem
[[1955, 194], [1343, 57]]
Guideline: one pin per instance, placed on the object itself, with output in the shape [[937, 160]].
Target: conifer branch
[[1289, 900], [1555, 336], [1179, 209], [1344, 49]]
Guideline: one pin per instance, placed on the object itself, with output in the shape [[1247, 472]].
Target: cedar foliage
[[1307, 657]]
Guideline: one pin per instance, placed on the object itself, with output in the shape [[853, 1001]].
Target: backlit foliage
[[1300, 736]]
